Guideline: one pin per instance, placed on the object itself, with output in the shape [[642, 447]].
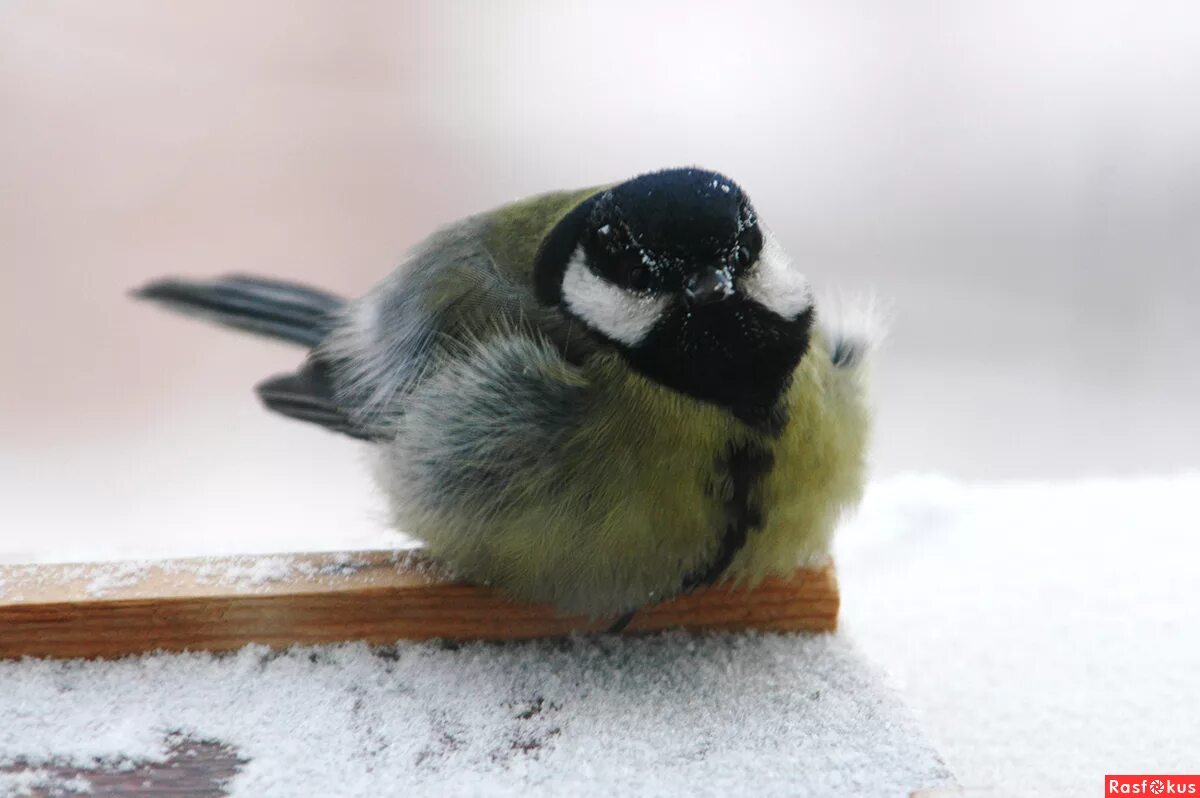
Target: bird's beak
[[708, 286]]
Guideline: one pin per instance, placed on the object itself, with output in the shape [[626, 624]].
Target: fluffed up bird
[[596, 398]]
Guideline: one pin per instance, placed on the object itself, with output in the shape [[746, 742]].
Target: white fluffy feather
[[853, 327], [776, 284], [617, 313]]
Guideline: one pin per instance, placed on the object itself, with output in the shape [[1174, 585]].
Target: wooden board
[[218, 604], [192, 769]]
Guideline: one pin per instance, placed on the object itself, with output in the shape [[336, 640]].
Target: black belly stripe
[[747, 463], [768, 418]]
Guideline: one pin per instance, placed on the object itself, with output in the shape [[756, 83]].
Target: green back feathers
[[515, 231]]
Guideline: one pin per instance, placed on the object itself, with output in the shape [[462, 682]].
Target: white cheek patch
[[776, 284], [619, 314]]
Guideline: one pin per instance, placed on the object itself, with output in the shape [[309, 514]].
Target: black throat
[[734, 354]]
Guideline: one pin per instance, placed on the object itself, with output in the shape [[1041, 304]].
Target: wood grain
[[219, 604], [192, 769]]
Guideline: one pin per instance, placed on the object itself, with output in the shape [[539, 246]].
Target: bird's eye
[[749, 244], [638, 278], [631, 271]]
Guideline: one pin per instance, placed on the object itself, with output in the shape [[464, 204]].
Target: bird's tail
[[275, 309]]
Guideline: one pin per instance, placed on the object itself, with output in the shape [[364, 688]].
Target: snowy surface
[[1045, 633], [664, 715]]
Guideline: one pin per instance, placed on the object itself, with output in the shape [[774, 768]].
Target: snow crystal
[[1045, 632], [114, 576], [45, 783], [242, 574], [709, 715]]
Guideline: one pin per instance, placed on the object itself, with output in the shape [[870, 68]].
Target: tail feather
[[272, 308], [308, 395]]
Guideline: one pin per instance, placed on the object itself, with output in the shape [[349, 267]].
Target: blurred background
[[1019, 182]]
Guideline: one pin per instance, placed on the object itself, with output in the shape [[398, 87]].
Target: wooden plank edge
[[376, 597]]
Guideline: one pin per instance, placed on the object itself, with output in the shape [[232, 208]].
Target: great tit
[[597, 399]]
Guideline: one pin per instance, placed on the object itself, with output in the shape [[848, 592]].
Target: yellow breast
[[819, 469]]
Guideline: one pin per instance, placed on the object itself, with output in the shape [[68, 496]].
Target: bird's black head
[[673, 269]]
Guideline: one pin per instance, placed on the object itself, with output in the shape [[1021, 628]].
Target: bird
[[596, 399]]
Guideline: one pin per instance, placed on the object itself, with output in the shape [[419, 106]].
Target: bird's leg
[[620, 624]]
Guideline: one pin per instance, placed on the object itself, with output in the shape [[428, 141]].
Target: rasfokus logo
[[1151, 785]]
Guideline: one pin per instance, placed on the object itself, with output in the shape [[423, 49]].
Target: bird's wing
[[455, 291], [309, 395]]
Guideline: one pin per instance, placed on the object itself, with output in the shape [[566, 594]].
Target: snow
[[44, 782], [239, 574], [1046, 633], [709, 715], [251, 574]]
